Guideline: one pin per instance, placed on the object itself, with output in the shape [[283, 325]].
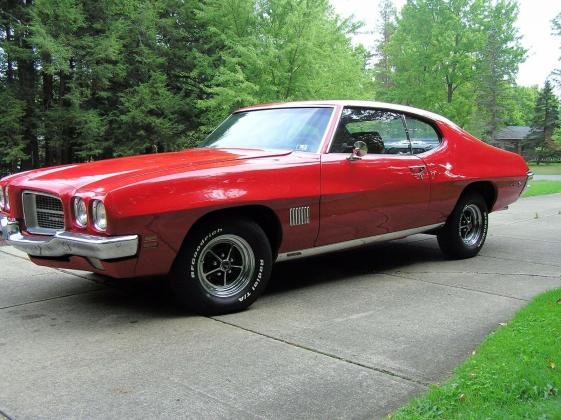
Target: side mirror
[[359, 150]]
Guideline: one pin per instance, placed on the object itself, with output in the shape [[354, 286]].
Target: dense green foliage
[[557, 30], [513, 374], [89, 79], [545, 122], [457, 58], [86, 79]]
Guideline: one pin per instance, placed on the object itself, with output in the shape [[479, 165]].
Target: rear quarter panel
[[462, 160]]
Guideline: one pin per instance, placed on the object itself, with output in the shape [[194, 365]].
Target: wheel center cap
[[226, 265]]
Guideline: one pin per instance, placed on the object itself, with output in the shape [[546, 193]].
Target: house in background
[[510, 138]]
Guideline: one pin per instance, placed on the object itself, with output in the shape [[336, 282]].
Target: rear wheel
[[222, 267], [465, 231]]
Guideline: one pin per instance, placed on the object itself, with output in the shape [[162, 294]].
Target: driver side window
[[382, 131]]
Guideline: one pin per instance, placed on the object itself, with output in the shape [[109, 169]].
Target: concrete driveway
[[351, 335], [547, 178]]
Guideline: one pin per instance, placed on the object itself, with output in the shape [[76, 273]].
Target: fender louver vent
[[299, 216]]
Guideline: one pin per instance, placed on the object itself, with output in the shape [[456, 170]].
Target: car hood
[[100, 175]]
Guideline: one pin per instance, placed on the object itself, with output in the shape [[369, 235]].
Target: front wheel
[[222, 267], [465, 231]]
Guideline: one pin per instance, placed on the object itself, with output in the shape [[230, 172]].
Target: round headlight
[[7, 199], [99, 215], [80, 212]]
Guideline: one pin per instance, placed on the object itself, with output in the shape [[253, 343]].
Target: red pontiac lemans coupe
[[271, 183]]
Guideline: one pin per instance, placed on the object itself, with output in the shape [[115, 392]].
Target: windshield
[[299, 129]]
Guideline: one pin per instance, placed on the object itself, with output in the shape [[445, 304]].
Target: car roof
[[352, 103]]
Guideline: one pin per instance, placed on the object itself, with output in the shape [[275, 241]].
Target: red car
[[271, 183]]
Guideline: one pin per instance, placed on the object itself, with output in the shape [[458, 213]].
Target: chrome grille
[[43, 213]]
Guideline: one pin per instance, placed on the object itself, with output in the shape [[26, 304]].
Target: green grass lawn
[[515, 373], [546, 168], [541, 188]]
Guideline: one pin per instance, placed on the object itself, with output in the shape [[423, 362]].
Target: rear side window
[[423, 135]]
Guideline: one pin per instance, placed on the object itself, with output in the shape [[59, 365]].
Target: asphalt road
[[350, 335]]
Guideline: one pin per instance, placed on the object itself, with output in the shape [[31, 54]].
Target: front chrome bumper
[[68, 243]]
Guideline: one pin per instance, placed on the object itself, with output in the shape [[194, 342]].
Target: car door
[[387, 190]]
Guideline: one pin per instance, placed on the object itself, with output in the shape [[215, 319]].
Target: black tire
[[223, 266], [465, 231]]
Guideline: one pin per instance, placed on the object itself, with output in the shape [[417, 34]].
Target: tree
[[383, 67], [518, 104], [498, 62], [433, 51], [12, 110], [105, 78], [556, 23], [19, 84], [277, 50], [89, 79], [546, 121], [457, 58]]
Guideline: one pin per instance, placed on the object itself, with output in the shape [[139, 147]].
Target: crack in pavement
[[482, 272], [4, 416], [61, 270], [452, 285], [324, 353], [54, 297], [519, 260], [51, 298], [549, 241], [14, 255], [82, 276]]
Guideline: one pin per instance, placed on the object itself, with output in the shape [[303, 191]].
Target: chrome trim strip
[[355, 243], [69, 243], [334, 119], [529, 177]]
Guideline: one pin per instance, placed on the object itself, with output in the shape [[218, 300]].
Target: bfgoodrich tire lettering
[[465, 231], [222, 267]]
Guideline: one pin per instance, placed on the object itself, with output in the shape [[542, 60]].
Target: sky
[[534, 23]]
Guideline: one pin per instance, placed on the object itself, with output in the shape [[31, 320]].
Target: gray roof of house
[[513, 132]]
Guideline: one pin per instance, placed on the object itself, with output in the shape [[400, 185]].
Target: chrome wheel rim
[[226, 265], [471, 225]]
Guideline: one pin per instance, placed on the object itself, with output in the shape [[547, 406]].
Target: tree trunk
[[27, 78], [67, 141], [10, 66], [63, 140], [450, 91], [47, 102]]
